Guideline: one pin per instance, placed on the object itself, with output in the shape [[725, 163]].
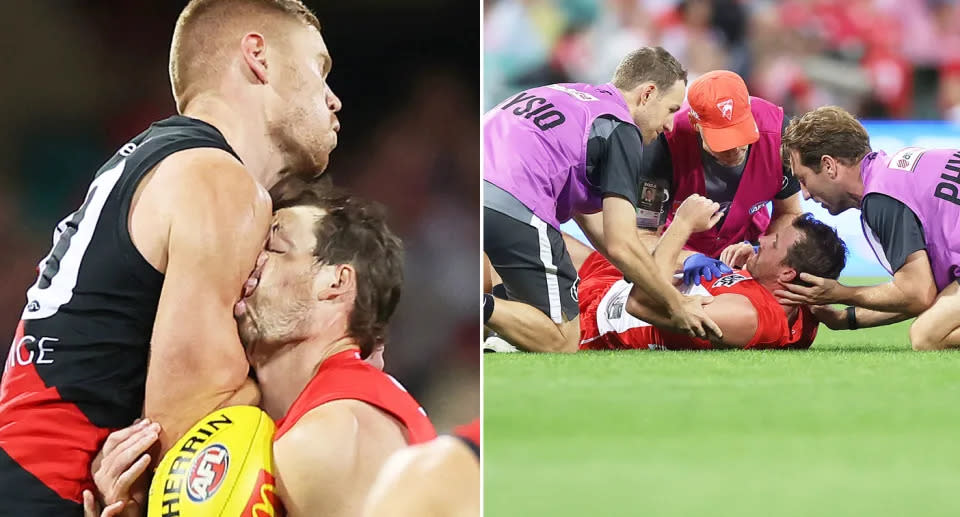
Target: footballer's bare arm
[[440, 477], [327, 462], [213, 218]]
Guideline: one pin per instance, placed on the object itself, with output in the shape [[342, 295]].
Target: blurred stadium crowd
[[877, 58], [89, 75]]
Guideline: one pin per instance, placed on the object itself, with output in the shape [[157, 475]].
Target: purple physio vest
[[928, 182], [535, 147]]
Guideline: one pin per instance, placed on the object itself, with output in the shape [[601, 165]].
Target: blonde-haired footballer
[[131, 312], [319, 305]]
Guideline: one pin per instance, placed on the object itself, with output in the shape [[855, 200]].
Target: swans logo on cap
[[207, 472], [726, 108]]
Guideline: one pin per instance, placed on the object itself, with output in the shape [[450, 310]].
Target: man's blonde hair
[[653, 64], [205, 27]]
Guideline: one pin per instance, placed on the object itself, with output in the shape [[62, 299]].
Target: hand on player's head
[[806, 246], [816, 252], [699, 213], [808, 289]]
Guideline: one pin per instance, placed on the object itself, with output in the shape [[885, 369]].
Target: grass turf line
[[858, 425]]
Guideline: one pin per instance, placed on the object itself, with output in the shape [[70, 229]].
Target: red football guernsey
[[346, 376], [469, 432], [606, 325]]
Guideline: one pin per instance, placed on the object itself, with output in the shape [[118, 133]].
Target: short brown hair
[[649, 64], [196, 46], [819, 251], [829, 130], [353, 231]]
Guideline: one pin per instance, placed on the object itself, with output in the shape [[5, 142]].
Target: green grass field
[[858, 425]]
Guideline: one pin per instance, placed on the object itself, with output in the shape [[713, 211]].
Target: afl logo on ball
[[207, 472]]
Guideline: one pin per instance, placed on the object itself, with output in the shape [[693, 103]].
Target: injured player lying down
[[617, 316]]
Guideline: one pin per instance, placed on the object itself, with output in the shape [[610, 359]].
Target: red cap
[[719, 101]]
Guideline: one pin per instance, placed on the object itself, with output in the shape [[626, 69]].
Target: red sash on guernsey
[[470, 435], [346, 376], [469, 432], [48, 437], [747, 218]]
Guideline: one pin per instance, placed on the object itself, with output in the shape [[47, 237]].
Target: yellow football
[[222, 467]]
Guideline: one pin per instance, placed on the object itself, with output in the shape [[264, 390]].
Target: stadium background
[[894, 63], [859, 424], [82, 77]]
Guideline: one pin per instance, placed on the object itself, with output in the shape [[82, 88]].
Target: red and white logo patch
[[207, 472], [726, 108], [906, 159]]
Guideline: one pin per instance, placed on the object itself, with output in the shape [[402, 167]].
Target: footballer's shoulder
[[736, 316]]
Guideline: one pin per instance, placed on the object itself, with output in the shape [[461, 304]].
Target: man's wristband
[[852, 318], [488, 301]]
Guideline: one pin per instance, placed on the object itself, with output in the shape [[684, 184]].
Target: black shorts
[[533, 262]]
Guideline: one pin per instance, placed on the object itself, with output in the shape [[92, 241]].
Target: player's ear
[[787, 275], [647, 91], [828, 164], [342, 279], [346, 277], [253, 48], [693, 121]]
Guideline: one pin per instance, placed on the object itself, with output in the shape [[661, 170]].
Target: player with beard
[[318, 306], [322, 303], [132, 311], [617, 316]]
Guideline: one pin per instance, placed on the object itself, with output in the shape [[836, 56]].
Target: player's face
[[655, 115], [279, 309], [728, 158], [302, 119], [767, 264], [821, 186]]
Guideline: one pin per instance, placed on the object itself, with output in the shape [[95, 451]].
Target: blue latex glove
[[698, 265]]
